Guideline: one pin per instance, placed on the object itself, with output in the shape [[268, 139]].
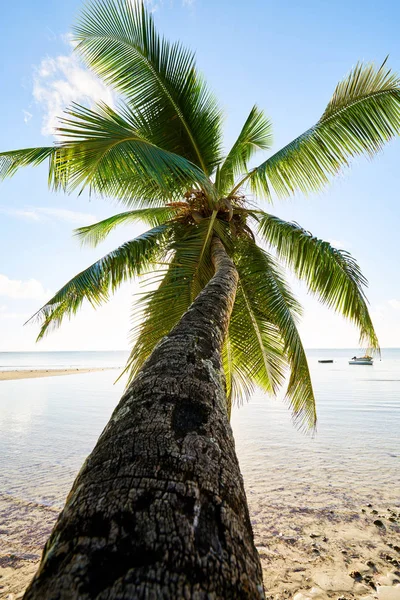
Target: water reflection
[[48, 426]]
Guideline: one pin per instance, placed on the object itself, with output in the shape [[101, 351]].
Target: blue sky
[[287, 58]]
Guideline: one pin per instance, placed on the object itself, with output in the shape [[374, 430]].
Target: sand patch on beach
[[318, 553], [308, 552], [24, 528], [34, 373]]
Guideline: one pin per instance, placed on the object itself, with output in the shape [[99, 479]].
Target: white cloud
[[68, 38], [60, 81], [44, 214], [395, 304], [18, 289], [70, 216], [22, 214], [340, 244], [27, 116]]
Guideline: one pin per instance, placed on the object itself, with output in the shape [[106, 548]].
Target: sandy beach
[[34, 373], [306, 554], [316, 553]]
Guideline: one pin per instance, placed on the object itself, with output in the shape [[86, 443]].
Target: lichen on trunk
[[158, 510]]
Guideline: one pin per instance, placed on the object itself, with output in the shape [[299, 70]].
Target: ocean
[[60, 360], [49, 425]]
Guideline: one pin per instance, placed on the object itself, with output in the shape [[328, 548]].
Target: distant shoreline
[[34, 373]]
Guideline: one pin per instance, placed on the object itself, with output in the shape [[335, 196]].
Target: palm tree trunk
[[158, 510]]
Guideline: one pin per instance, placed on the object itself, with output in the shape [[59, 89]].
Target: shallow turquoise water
[[49, 425]]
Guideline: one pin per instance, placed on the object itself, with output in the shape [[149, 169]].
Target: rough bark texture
[[158, 510]]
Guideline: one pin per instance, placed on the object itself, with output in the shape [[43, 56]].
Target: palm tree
[[158, 510]]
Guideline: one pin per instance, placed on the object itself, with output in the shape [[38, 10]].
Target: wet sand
[[307, 553], [34, 373]]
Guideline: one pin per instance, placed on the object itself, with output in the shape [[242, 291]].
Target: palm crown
[[160, 153]]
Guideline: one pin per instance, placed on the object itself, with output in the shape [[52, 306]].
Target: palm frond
[[97, 232], [103, 150], [13, 160], [238, 386], [203, 269], [256, 344], [363, 114], [331, 274], [118, 40], [102, 278], [255, 135], [274, 303], [227, 363], [158, 311]]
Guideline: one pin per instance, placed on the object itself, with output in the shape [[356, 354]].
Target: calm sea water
[[49, 425], [60, 360]]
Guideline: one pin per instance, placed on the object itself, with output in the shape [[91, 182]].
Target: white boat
[[362, 360]]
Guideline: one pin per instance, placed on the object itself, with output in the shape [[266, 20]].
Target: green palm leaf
[[97, 232], [203, 266], [158, 311], [117, 39], [363, 114], [273, 302], [12, 160], [255, 135], [228, 366], [104, 150], [238, 386], [103, 277], [256, 346], [331, 274], [256, 343]]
